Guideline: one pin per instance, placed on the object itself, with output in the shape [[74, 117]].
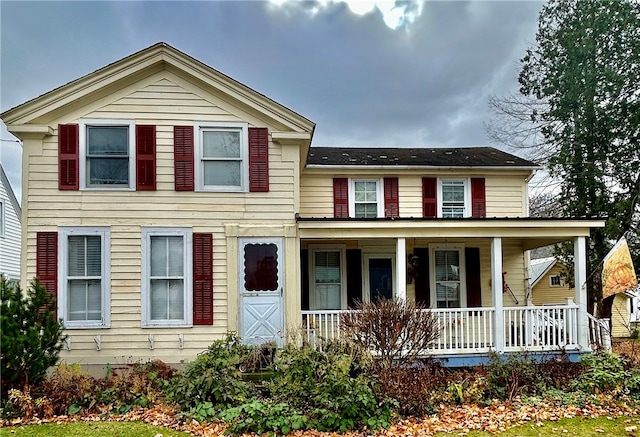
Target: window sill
[[85, 326], [157, 325]]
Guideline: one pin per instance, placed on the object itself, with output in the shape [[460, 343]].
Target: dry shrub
[[70, 385], [397, 332]]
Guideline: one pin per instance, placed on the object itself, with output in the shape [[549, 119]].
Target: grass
[[578, 426], [93, 429]]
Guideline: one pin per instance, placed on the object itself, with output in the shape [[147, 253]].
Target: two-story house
[[166, 203]]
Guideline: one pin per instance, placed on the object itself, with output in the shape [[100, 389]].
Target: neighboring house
[[168, 203], [548, 286], [10, 230]]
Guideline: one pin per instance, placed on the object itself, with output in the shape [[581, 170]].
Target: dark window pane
[[261, 267]]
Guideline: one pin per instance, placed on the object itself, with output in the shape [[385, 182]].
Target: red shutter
[[202, 279], [258, 159], [68, 163], [429, 197], [47, 261], [391, 204], [145, 158], [341, 197], [183, 157], [478, 200]]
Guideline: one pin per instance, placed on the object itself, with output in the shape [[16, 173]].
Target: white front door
[[261, 271]]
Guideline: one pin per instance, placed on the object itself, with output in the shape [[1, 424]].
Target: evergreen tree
[[30, 334], [579, 112]]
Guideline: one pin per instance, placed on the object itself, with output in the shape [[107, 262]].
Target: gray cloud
[[362, 83]]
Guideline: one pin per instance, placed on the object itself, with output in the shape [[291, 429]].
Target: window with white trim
[[84, 277], [365, 198], [222, 156], [555, 281], [107, 154], [454, 199], [448, 284], [167, 277], [327, 277]]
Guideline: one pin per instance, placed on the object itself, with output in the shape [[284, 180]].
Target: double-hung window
[[366, 198], [327, 269], [166, 274], [454, 198], [448, 284], [222, 162], [84, 276], [108, 154]]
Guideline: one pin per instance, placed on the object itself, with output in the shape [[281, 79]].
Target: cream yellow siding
[[164, 100], [545, 294], [620, 324], [505, 195]]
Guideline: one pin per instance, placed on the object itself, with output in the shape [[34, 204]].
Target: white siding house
[[10, 229]]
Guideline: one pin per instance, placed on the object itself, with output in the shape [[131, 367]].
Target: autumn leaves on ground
[[336, 391]]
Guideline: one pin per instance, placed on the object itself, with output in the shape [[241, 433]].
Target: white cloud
[[395, 14]]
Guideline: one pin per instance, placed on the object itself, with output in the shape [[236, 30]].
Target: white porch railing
[[541, 328], [599, 334], [471, 330]]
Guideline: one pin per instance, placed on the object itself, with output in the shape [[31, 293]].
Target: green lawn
[[579, 426], [91, 429]]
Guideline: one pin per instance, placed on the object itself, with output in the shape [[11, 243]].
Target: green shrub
[[264, 417], [30, 335], [329, 387], [511, 376], [214, 376], [602, 372]]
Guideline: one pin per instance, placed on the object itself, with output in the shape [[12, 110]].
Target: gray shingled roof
[[423, 156]]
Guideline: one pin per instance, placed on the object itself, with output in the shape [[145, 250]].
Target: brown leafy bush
[[395, 331], [69, 385]]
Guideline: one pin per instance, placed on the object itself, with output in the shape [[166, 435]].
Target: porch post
[[580, 267], [496, 292], [401, 269]]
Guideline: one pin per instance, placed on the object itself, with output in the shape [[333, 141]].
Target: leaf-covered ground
[[458, 420]]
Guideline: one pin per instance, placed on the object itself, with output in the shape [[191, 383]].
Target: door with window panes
[[261, 290]]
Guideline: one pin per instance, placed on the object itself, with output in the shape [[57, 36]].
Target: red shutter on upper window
[[183, 158], [391, 204], [68, 160], [145, 158], [47, 261], [258, 159], [430, 197], [202, 279], [341, 197], [478, 198]]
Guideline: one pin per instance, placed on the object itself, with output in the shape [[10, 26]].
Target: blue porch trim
[[482, 359]]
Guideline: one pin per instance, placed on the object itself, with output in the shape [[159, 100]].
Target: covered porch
[[471, 273]]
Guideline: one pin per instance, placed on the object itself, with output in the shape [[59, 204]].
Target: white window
[[448, 285], [454, 198], [555, 281], [84, 277], [166, 275], [222, 156], [327, 278], [365, 198], [107, 154]]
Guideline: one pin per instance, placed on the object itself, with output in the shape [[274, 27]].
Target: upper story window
[[222, 156], [107, 149], [555, 281], [453, 197], [366, 198]]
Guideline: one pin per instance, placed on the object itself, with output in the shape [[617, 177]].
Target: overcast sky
[[415, 75]]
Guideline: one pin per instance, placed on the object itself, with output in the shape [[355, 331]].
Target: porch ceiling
[[533, 232]]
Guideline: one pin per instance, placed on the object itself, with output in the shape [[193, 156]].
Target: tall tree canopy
[[579, 112]]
